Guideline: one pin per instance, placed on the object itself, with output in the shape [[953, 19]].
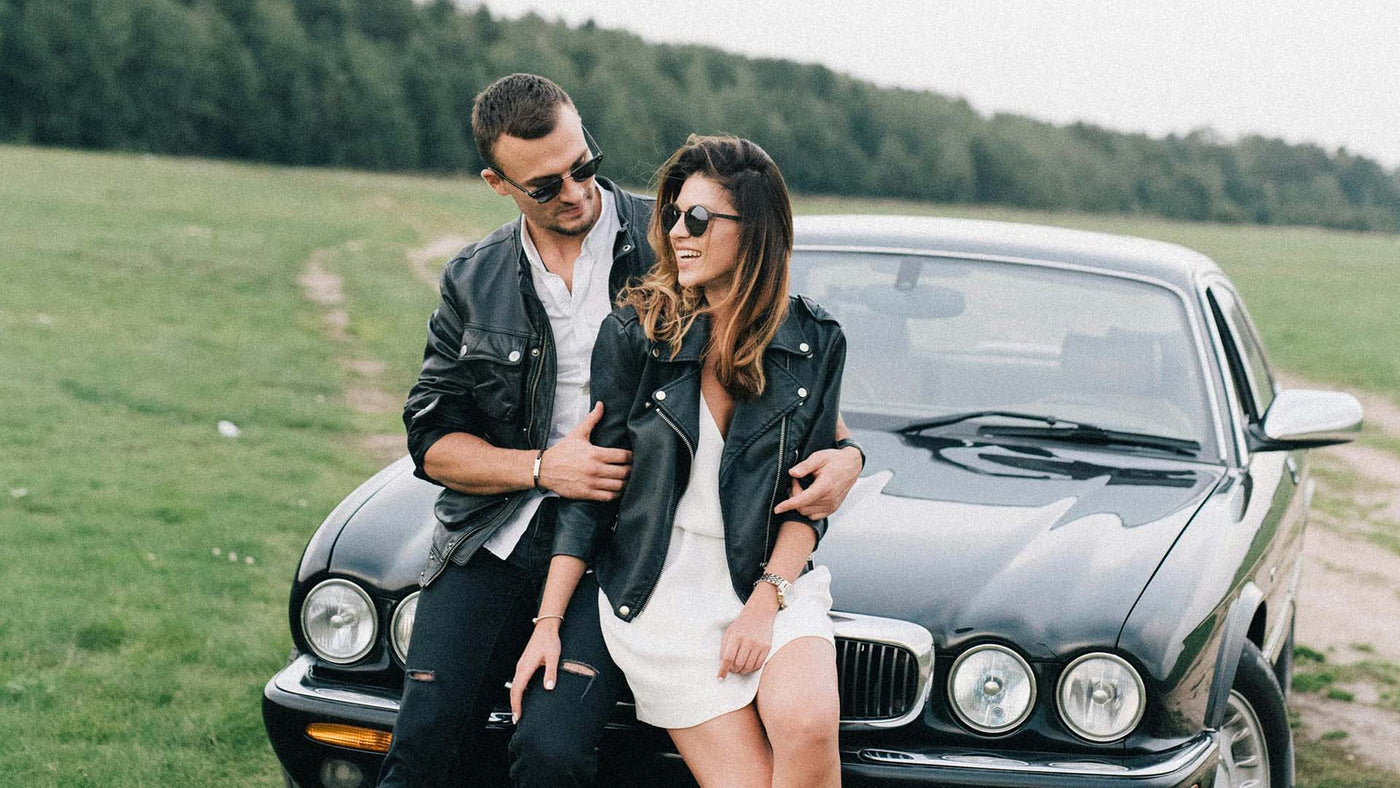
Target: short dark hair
[[521, 105]]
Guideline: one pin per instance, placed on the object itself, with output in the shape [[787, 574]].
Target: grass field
[[146, 559]]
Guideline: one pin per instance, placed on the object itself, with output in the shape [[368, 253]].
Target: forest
[[388, 85]]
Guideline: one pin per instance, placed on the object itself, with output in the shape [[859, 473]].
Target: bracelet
[[845, 442], [539, 458], [538, 619]]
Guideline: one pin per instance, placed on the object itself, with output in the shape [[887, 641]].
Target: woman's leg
[[800, 708], [728, 751]]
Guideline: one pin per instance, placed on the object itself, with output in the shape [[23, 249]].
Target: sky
[[1304, 70]]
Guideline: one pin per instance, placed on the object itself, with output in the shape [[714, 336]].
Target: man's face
[[532, 163]]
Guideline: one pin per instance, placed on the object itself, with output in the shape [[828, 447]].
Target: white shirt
[[574, 320]]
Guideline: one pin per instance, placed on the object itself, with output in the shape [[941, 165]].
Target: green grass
[[143, 299], [1327, 763]]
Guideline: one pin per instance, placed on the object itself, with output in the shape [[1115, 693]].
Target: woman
[[718, 382]]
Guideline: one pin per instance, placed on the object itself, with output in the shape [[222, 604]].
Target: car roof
[[955, 237]]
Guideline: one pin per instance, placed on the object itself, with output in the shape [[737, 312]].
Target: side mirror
[[1303, 419]]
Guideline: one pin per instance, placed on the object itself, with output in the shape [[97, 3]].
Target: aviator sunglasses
[[551, 188], [697, 218]]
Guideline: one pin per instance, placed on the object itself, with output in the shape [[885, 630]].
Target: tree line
[[388, 85]]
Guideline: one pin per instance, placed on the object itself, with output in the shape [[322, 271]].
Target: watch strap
[[847, 442]]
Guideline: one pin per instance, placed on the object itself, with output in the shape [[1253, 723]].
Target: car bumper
[[1191, 765], [293, 699]]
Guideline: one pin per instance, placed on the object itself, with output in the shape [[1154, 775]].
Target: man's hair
[[521, 105]]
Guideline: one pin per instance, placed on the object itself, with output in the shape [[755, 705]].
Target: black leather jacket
[[489, 367], [651, 406]]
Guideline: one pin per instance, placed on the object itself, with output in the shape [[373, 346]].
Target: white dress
[[670, 652]]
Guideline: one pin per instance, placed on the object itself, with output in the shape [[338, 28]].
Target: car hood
[[385, 541], [1045, 546]]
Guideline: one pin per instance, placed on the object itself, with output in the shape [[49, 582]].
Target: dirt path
[[364, 392], [1349, 602]]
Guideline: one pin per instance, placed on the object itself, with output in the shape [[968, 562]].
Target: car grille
[[878, 681]]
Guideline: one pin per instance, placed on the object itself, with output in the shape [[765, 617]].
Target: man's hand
[[834, 472], [575, 468], [542, 650]]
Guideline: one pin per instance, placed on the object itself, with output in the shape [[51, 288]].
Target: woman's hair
[[759, 289]]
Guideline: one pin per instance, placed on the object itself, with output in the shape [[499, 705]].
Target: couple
[[659, 443]]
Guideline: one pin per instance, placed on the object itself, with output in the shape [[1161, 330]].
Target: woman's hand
[[746, 642], [543, 649]]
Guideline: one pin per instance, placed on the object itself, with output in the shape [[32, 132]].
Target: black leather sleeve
[[822, 434], [438, 402], [614, 377]]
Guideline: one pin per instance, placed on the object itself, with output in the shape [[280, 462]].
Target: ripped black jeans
[[471, 626]]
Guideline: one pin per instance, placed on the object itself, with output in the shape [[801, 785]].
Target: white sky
[[1303, 70]]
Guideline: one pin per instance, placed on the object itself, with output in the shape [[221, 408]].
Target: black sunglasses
[[551, 188], [697, 218]]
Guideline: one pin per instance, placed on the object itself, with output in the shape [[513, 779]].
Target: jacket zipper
[[534, 387], [691, 449], [777, 481]]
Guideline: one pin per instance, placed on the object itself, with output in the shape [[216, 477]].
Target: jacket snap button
[[659, 395], [655, 353], [802, 392], [514, 355], [534, 351], [804, 347], [624, 610]]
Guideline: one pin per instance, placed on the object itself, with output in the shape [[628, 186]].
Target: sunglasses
[[697, 218], [551, 188]]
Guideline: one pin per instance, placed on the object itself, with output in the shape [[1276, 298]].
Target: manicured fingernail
[[514, 719], [549, 685]]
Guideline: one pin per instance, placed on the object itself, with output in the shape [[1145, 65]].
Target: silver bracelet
[[539, 458]]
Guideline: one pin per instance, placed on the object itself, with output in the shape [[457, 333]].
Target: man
[[500, 417]]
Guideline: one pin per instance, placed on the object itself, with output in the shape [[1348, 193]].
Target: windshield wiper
[[953, 418], [1089, 433]]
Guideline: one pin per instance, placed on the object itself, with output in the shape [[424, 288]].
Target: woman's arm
[[615, 374], [544, 647], [746, 642], [613, 379]]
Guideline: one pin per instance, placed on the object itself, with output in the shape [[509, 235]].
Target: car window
[[931, 336], [1253, 380]]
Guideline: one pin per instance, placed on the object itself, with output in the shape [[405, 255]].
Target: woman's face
[[707, 261]]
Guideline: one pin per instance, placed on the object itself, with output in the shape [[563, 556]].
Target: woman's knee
[[814, 729]]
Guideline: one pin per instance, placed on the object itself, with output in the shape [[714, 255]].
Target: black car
[[1071, 560]]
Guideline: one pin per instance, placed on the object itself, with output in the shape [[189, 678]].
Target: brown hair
[[760, 282], [521, 105]]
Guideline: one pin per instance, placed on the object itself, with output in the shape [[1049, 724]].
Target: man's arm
[[444, 430], [834, 472]]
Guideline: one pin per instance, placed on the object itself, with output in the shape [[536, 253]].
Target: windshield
[[929, 336]]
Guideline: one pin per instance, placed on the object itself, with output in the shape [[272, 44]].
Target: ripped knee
[[578, 668], [421, 675]]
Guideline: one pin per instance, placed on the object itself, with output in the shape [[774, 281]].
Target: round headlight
[[339, 621], [402, 627], [991, 689], [1101, 697]]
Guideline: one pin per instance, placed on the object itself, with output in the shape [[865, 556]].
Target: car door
[[1272, 504]]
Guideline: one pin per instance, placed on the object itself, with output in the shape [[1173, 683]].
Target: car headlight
[[1101, 697], [991, 689], [401, 629], [339, 621]]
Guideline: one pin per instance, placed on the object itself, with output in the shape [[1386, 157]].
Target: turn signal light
[[351, 736]]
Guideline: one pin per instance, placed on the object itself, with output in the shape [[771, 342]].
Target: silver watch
[[785, 589]]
